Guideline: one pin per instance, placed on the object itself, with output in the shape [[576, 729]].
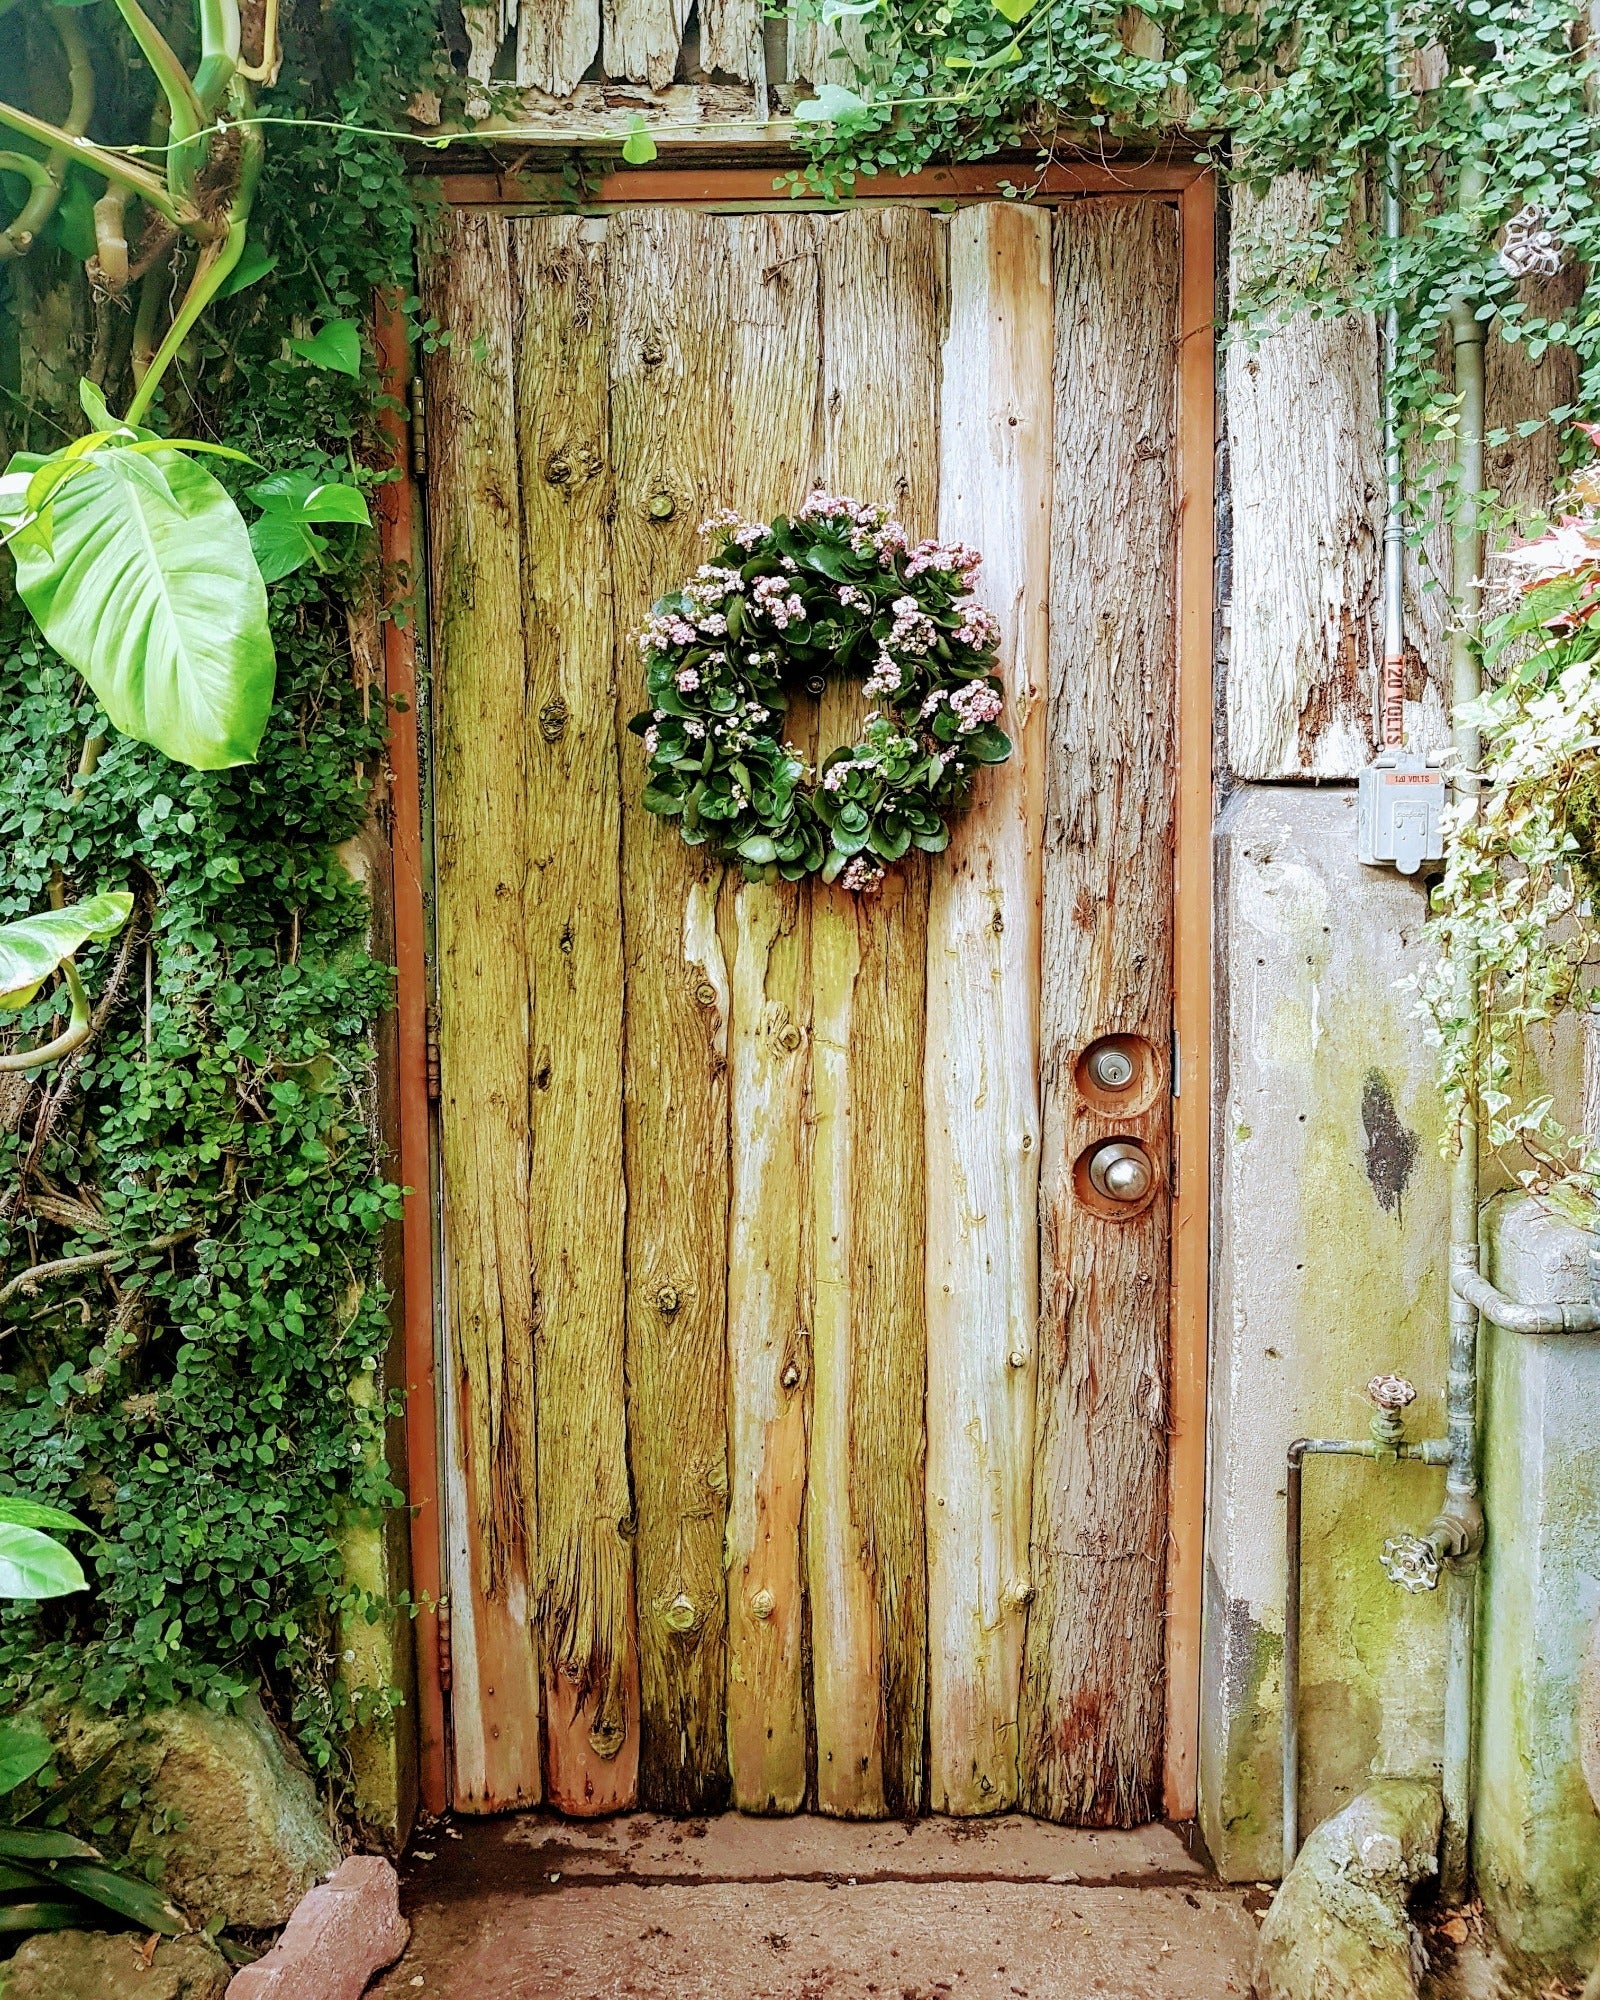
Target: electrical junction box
[[1400, 801]]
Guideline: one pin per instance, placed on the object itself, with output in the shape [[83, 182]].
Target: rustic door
[[807, 1407]]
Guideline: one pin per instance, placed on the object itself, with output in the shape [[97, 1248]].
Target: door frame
[[1192, 189]]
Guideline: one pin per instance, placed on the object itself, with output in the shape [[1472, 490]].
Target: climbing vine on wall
[[203, 1173]]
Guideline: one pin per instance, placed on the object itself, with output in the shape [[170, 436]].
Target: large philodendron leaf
[[149, 588], [32, 948], [32, 1565]]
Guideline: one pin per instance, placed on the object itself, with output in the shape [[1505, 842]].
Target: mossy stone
[[98, 1965]]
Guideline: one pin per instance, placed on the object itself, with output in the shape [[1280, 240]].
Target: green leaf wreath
[[839, 588]]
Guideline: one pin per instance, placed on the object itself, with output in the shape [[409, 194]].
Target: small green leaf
[[1015, 10], [32, 1565], [283, 544], [831, 102], [336, 345], [32, 948], [638, 148], [253, 265], [72, 225], [22, 1752], [306, 498]]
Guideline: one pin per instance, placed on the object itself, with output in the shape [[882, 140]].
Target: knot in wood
[[653, 351], [791, 1377], [763, 1604], [705, 993], [607, 1736], [553, 720], [679, 1615], [558, 469], [662, 506], [667, 1299], [1017, 1358], [789, 1038]]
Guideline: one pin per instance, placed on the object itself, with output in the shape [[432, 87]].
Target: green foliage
[[32, 948], [190, 1395], [1497, 91], [284, 538], [137, 565]]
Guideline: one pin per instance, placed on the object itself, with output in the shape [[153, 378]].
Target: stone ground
[[642, 1908]]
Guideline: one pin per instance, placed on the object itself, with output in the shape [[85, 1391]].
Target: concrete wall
[[1329, 1267], [1536, 1835]]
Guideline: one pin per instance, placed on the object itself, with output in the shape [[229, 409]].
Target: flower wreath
[[837, 587]]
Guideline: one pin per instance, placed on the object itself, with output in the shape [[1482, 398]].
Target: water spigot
[[1391, 1396], [1411, 1561]]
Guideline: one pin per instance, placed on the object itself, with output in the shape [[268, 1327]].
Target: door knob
[[1121, 1171]]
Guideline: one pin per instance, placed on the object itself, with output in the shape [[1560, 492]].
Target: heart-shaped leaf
[[30, 950], [283, 539], [31, 1565], [638, 148], [831, 102], [156, 599], [336, 345]]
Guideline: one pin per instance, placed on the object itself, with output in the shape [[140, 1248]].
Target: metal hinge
[[431, 1046], [447, 1664], [419, 431]]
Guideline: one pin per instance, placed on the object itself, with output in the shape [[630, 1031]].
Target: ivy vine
[[190, 1207]]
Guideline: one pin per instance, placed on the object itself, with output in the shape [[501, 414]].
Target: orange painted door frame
[[401, 529]]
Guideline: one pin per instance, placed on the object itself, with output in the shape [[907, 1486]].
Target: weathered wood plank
[[1093, 1684], [642, 39], [981, 1082], [882, 296], [574, 955], [476, 600], [670, 373], [824, 52], [1306, 465], [733, 42], [557, 40], [773, 302]]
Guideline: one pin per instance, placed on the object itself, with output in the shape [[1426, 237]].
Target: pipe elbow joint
[[1457, 1529]]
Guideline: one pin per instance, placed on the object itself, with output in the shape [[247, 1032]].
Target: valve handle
[[1411, 1562]]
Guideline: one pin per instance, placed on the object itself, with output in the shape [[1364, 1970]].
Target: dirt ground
[[531, 1908]]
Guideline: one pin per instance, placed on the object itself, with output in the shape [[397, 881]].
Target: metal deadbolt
[[1111, 1068], [1121, 1171]]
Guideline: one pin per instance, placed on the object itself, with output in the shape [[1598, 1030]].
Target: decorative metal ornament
[[1530, 248]]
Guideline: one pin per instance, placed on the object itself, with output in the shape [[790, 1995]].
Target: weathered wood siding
[[751, 1495], [1305, 453], [1093, 1686], [981, 1083]]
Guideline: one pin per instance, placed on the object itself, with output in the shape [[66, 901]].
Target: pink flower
[[652, 740], [860, 875], [976, 704], [688, 679]]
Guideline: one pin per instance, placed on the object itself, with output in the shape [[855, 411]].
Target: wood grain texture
[[1306, 462], [1523, 471], [821, 52], [557, 40], [670, 374], [981, 1083], [642, 39], [773, 292], [573, 910], [733, 43], [1093, 1689], [483, 988], [882, 277]]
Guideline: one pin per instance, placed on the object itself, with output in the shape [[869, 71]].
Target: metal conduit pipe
[[1462, 1513], [1490, 1303], [1387, 1445]]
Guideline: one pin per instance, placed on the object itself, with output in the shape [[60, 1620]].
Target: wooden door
[[807, 1409]]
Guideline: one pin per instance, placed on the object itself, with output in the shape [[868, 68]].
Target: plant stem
[[49, 176], [219, 52], [217, 258], [75, 1033], [187, 115], [126, 173]]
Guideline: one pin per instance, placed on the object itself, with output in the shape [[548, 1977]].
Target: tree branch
[[61, 1267], [110, 166]]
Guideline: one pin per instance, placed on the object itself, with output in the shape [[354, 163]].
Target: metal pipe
[[1490, 1303], [1394, 532], [1430, 1451], [1462, 1506]]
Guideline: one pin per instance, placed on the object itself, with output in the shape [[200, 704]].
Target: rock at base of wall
[[1338, 1928], [94, 1965], [225, 1804], [343, 1932]]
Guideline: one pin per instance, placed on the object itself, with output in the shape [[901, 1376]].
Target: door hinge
[[419, 431], [447, 1664], [431, 1045]]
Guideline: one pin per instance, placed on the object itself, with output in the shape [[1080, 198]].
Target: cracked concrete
[[728, 1908]]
